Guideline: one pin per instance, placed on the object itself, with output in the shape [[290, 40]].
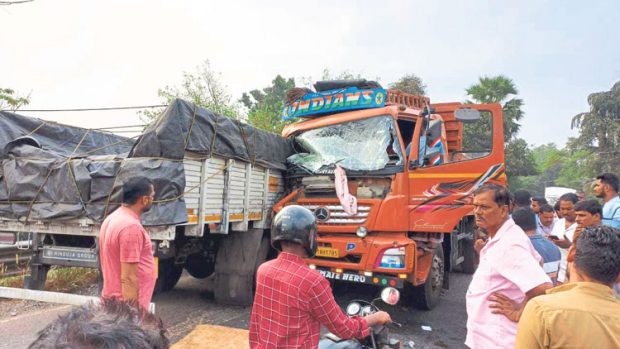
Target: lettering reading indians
[[331, 101]]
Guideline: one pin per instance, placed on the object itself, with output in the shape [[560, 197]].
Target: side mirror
[[390, 295], [467, 115]]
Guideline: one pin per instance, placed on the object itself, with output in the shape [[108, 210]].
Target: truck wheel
[[168, 275], [469, 265], [427, 296], [199, 266], [38, 276], [235, 277], [263, 251]]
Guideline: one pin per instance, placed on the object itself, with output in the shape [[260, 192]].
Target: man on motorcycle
[[292, 301]]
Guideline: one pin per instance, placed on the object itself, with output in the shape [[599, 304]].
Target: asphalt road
[[188, 305]]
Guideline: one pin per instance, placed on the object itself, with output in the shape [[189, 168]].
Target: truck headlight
[[393, 258], [361, 232]]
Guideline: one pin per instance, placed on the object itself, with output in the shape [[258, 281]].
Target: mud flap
[[235, 265]]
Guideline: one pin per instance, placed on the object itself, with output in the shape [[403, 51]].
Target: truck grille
[[334, 214]]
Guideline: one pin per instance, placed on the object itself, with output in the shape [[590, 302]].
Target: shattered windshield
[[362, 145]]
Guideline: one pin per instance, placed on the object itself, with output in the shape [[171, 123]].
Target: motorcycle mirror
[[353, 308], [390, 295]]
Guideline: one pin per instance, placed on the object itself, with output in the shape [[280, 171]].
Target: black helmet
[[295, 224]]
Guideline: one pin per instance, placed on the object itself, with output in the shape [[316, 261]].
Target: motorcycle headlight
[[393, 258], [367, 310], [353, 308]]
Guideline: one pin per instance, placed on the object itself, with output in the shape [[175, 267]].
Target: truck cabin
[[376, 141]]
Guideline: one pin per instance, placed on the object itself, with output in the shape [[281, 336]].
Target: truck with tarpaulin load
[[216, 181], [390, 177]]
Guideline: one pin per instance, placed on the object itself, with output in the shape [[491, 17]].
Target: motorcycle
[[379, 337]]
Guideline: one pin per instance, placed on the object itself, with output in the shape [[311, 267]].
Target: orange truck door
[[460, 157]]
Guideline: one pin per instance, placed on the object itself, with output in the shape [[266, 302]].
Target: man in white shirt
[[564, 229], [545, 220]]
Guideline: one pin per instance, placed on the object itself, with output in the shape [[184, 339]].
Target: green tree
[[557, 167], [265, 106], [410, 83], [502, 90], [9, 100], [203, 88], [599, 130]]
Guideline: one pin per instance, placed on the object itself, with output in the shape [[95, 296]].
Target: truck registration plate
[[329, 252]]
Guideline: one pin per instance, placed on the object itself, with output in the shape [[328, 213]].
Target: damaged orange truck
[[411, 166]]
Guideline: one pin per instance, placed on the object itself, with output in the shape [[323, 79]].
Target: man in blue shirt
[[524, 217], [606, 188]]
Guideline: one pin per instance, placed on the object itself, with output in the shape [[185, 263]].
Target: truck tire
[[199, 266], [168, 275], [261, 256], [38, 276], [427, 296], [469, 265], [235, 269]]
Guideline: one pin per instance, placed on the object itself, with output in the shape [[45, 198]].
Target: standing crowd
[[547, 275]]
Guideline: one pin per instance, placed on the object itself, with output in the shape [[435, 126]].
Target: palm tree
[[502, 90]]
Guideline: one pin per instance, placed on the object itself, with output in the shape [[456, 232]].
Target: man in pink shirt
[[509, 265], [125, 251]]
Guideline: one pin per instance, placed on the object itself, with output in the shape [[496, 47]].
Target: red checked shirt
[[291, 303]]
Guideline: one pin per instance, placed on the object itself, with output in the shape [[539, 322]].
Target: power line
[[91, 109], [6, 3]]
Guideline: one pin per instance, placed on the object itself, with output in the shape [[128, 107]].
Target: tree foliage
[[502, 90], [9, 100], [265, 106], [203, 88], [557, 167], [519, 159], [599, 130], [410, 83]]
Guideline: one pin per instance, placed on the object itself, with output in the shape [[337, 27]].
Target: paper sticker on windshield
[[331, 101]]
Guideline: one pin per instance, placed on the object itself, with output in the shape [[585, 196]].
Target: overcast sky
[[71, 54]]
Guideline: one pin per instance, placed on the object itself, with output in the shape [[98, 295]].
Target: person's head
[[522, 198], [581, 195], [139, 193], [525, 218], [294, 230], [546, 214], [109, 324], [491, 206], [606, 186], [556, 208], [536, 202], [595, 255], [567, 206], [588, 213]]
